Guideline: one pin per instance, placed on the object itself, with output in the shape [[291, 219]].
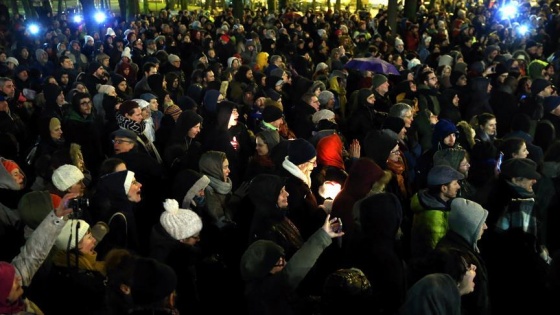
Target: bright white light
[[33, 29], [78, 19], [509, 11], [99, 17], [523, 29]]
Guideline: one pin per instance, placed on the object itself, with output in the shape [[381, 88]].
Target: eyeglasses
[[85, 103], [395, 152], [120, 141]]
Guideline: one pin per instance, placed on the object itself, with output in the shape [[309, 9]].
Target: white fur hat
[[65, 176], [66, 240], [179, 223]]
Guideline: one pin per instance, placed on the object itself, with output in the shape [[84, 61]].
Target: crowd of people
[[198, 163]]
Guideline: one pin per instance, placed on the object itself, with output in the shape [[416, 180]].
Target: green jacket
[[429, 223]]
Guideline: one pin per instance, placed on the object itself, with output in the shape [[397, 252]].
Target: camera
[[78, 205]]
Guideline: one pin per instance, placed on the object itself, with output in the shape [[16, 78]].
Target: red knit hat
[[10, 165], [7, 275]]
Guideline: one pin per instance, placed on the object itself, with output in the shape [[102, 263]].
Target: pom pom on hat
[[300, 151], [179, 223], [65, 176], [126, 53], [66, 240]]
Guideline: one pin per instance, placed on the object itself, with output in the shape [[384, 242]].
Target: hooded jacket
[[270, 221], [429, 223]]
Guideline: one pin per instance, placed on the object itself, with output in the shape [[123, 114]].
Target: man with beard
[[431, 207], [428, 104]]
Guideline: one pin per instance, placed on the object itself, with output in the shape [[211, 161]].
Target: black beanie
[[271, 113], [301, 151], [395, 124]]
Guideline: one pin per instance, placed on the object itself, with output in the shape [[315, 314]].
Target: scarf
[[294, 170], [398, 168], [220, 186], [129, 124], [85, 261]]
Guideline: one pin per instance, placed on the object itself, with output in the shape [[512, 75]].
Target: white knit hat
[[321, 66], [12, 60], [126, 53], [66, 176], [179, 223], [110, 32], [66, 240]]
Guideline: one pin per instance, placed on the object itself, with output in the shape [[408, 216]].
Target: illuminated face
[[525, 183], [154, 104], [194, 131], [136, 116], [122, 145], [225, 169], [464, 166], [134, 191], [122, 86], [87, 244], [146, 113], [450, 140], [262, 147], [18, 176], [78, 188], [9, 88], [450, 190], [17, 290], [490, 127], [522, 153], [282, 201], [56, 134], [233, 118], [85, 106], [408, 119], [394, 154], [466, 285]]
